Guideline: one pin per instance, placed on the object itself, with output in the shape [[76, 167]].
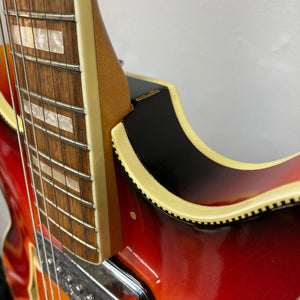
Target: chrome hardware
[[90, 282], [69, 279], [79, 288]]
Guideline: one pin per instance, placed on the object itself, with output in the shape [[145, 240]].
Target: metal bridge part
[[106, 281]]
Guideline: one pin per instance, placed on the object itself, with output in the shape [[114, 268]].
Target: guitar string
[[83, 209], [82, 196], [51, 165], [49, 152], [21, 150], [60, 134], [38, 159], [26, 139], [62, 154], [39, 162], [77, 157], [59, 129]]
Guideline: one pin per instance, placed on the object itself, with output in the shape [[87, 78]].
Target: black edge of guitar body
[[166, 152], [156, 136], [161, 144]]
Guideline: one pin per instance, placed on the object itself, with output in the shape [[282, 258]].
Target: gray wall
[[236, 65]]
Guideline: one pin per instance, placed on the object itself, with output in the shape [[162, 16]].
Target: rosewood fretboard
[[53, 46]]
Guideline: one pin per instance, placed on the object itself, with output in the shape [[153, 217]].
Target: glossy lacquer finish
[[255, 260], [16, 246], [258, 259], [164, 149]]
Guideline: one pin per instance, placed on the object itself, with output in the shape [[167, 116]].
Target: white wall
[[4, 218], [236, 64]]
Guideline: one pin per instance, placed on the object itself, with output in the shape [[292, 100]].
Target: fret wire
[[77, 150], [38, 159], [47, 140], [49, 117], [87, 225], [66, 106], [80, 200], [79, 145], [54, 102], [63, 166], [59, 129], [29, 158], [57, 175], [19, 138], [71, 235], [42, 16], [48, 62]]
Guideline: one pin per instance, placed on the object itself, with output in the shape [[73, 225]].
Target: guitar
[[120, 199]]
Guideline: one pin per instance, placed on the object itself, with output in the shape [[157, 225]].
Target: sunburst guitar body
[[114, 196]]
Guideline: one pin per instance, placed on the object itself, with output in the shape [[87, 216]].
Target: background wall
[[236, 65]]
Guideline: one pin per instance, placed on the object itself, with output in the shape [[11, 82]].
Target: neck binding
[[72, 92]]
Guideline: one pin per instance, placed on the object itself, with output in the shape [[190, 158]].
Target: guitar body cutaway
[[179, 216], [185, 178]]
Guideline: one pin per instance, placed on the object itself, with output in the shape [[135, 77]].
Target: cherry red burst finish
[[12, 183], [258, 259], [16, 246]]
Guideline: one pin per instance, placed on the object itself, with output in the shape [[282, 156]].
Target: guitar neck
[[72, 92]]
